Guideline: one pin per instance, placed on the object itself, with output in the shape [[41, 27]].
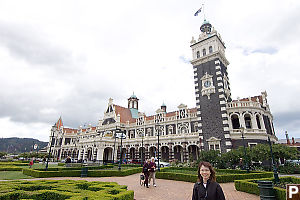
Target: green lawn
[[12, 175]]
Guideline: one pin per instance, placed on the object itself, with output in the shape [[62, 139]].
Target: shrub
[[61, 190]]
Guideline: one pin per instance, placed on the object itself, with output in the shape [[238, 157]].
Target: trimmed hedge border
[[61, 190], [77, 173], [233, 175], [250, 186]]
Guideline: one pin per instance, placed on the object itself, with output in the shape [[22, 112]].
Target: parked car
[[162, 163], [293, 161]]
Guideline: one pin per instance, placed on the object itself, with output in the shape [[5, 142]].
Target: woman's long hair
[[212, 172]]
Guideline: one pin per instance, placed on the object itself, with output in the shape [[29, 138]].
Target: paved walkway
[[166, 189]]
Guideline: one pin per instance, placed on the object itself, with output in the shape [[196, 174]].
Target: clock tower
[[212, 89]]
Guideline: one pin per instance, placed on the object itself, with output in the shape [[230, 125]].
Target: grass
[[13, 175]]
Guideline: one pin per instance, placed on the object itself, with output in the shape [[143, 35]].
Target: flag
[[198, 11]]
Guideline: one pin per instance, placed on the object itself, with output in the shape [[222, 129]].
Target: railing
[[243, 104]]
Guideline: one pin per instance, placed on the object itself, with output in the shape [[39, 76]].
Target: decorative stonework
[[208, 87]]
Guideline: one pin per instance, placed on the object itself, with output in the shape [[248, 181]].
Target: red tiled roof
[[70, 130], [125, 114], [252, 99]]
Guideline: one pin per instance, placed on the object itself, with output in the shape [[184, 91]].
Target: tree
[[2, 154], [211, 156]]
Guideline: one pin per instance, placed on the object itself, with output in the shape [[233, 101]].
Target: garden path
[[165, 190]]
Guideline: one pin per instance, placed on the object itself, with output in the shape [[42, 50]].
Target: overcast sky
[[67, 58]]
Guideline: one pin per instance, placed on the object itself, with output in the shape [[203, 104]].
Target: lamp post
[[51, 140], [157, 128], [114, 147], [276, 178], [142, 153], [245, 153], [121, 150]]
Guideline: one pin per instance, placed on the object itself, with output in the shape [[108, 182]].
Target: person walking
[[146, 169], [31, 163], [207, 188], [152, 171]]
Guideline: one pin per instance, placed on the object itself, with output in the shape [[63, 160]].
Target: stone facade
[[217, 122]]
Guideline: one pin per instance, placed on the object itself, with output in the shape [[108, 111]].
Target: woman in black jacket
[[146, 171], [207, 188]]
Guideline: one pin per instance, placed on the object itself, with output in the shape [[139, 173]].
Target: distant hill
[[20, 145]]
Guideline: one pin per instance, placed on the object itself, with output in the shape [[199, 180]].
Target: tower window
[[198, 54], [248, 121], [204, 52], [210, 49], [235, 122], [258, 122]]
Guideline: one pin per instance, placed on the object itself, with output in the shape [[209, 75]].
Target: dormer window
[[210, 49], [198, 54], [204, 52]]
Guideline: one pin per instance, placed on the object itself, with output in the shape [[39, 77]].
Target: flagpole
[[203, 11]]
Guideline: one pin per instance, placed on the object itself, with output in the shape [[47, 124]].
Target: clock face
[[207, 84]]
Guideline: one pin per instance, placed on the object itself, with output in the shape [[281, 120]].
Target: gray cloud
[[25, 42]]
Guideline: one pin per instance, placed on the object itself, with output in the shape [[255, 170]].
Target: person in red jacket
[[31, 163], [207, 188]]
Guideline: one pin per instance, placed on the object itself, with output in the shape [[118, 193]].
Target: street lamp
[[121, 150], [157, 126], [142, 153], [51, 140], [276, 178], [245, 154], [114, 147]]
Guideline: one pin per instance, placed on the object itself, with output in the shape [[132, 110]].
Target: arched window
[[210, 49], [235, 122], [258, 122], [248, 123], [198, 54], [204, 52]]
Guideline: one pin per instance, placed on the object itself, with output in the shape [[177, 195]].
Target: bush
[[250, 186], [61, 190], [69, 172], [289, 168], [230, 176]]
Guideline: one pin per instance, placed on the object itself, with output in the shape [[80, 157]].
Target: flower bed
[[60, 190]]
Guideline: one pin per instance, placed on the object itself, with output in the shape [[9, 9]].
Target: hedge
[[250, 186], [10, 168], [61, 190], [77, 173], [164, 174], [13, 163]]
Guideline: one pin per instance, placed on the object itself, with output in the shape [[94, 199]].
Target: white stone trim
[[198, 112], [228, 143], [219, 78], [218, 73], [197, 90], [197, 95], [228, 150], [227, 135], [221, 96], [196, 84], [221, 90], [223, 108], [220, 84], [222, 102], [226, 128], [225, 121], [195, 69], [217, 62], [195, 74], [218, 67], [196, 79]]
